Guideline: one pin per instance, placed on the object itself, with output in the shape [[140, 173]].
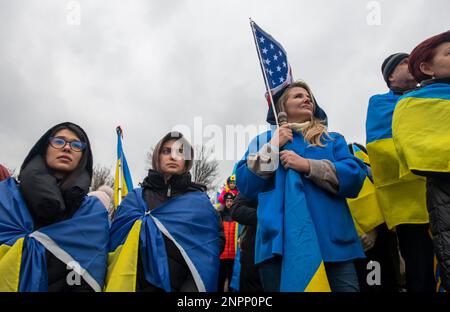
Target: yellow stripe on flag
[[401, 200], [10, 260], [420, 128], [122, 263], [319, 282]]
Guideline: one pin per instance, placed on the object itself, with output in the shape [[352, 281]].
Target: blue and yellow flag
[[421, 129], [190, 221], [122, 182], [302, 267], [394, 193], [286, 228], [365, 210], [80, 242]]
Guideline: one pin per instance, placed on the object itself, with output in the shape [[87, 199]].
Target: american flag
[[273, 59]]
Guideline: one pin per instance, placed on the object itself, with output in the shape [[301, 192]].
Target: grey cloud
[[149, 65]]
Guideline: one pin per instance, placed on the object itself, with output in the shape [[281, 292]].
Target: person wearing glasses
[[166, 235], [54, 237]]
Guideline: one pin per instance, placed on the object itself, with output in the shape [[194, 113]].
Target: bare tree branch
[[101, 176]]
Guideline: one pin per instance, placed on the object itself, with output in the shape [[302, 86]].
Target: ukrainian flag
[[302, 267], [122, 182], [394, 193], [190, 221], [421, 130], [285, 226], [365, 210], [22, 248]]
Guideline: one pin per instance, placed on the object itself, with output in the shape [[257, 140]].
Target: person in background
[[402, 201], [244, 212], [229, 253], [421, 134], [379, 243], [4, 173], [230, 187]]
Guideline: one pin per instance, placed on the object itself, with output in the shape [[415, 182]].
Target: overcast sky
[[149, 65]]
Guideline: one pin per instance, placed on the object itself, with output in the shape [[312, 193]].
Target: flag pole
[[264, 72], [119, 162]]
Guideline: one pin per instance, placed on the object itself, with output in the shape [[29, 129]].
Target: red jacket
[[229, 228]]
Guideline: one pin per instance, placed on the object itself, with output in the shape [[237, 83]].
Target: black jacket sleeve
[[221, 232], [244, 210]]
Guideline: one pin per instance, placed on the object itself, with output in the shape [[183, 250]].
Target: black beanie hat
[[228, 196], [391, 63]]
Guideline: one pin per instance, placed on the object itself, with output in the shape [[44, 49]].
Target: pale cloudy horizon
[[151, 65]]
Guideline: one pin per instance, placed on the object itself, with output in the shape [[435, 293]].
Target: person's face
[[229, 203], [299, 107], [171, 159], [232, 185], [401, 77], [63, 159], [439, 66]]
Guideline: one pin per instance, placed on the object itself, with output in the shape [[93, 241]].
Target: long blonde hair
[[316, 128]]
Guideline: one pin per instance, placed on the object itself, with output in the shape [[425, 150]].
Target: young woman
[[301, 176], [53, 237], [421, 134], [166, 235]]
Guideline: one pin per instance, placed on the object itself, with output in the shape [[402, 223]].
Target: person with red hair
[[402, 201], [4, 173], [421, 134]]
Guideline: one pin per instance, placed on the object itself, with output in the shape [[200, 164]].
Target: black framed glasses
[[60, 143]]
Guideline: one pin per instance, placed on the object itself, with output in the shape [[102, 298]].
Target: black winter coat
[[438, 204], [48, 203], [244, 212]]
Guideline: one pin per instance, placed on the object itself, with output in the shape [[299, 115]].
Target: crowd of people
[[303, 211]]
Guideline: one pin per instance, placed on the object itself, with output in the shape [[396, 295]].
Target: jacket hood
[[41, 145]]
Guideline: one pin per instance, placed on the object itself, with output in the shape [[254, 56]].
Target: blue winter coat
[[334, 227]]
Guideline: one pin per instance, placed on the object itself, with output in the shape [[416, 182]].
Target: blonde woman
[[303, 217]]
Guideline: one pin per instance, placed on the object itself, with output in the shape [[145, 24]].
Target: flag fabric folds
[[421, 129], [122, 182], [285, 226], [273, 60], [22, 249], [190, 221], [365, 210], [393, 192]]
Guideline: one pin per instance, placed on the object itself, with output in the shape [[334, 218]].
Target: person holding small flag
[[301, 175]]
